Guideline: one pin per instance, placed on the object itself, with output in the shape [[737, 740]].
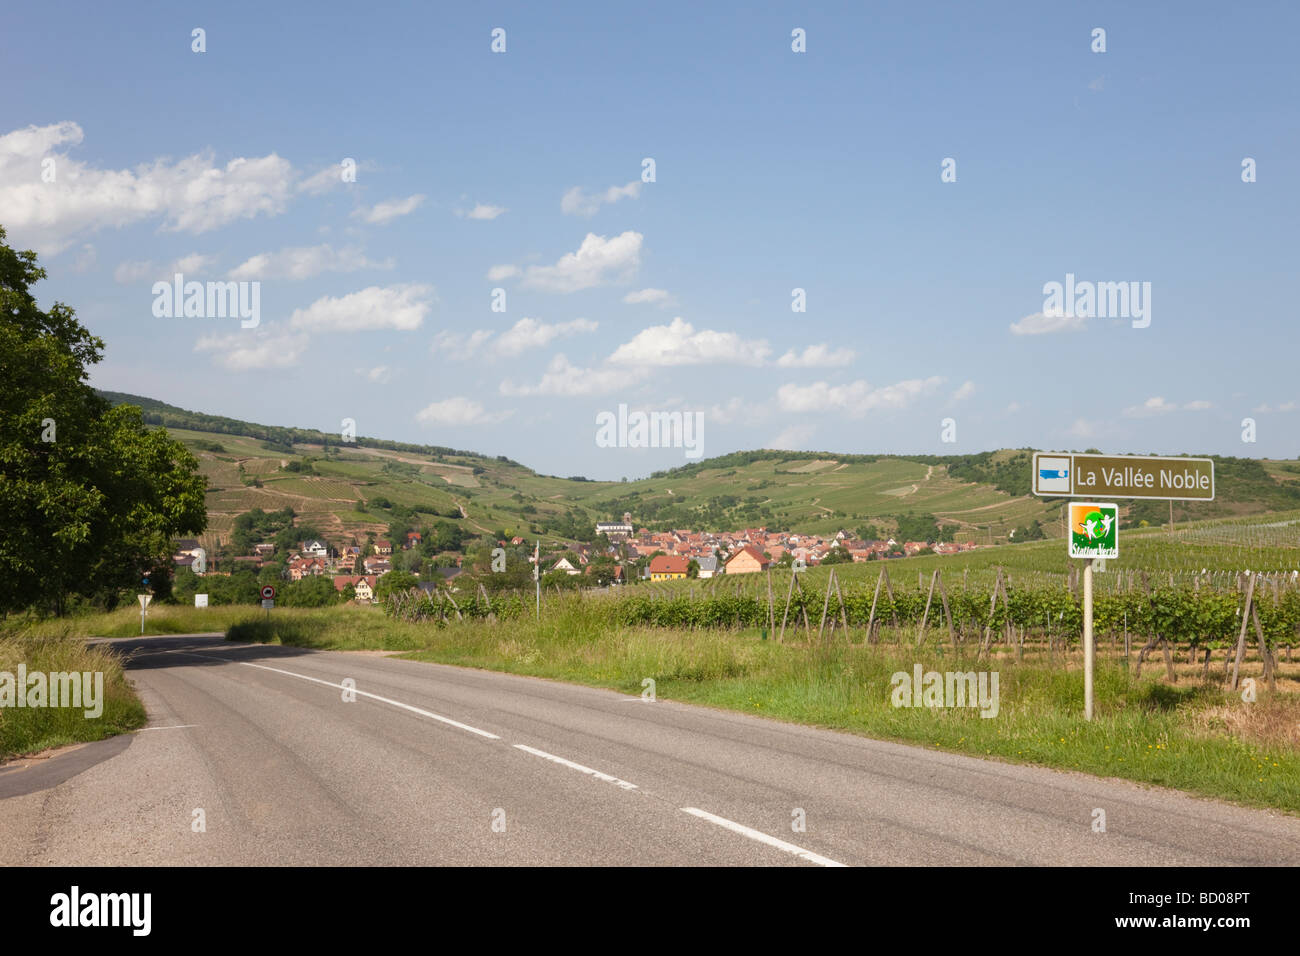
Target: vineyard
[[1193, 617]]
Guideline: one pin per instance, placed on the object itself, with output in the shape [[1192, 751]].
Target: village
[[620, 553]]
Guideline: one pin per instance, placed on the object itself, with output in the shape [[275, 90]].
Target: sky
[[456, 245]]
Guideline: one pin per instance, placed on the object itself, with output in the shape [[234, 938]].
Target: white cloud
[[330, 177], [966, 390], [1158, 406], [792, 438], [1041, 323], [388, 210], [526, 335], [497, 273], [303, 262], [647, 295], [86, 258], [1284, 407], [247, 349], [679, 344], [380, 374], [578, 203], [131, 271], [482, 211], [529, 334], [392, 307], [816, 356], [854, 399], [1014, 407], [598, 261], [459, 411], [459, 347], [563, 378], [190, 195], [1082, 428]]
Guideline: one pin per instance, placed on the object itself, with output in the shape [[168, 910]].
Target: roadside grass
[[25, 730], [1193, 735]]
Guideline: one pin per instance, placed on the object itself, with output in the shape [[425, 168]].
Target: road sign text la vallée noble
[[1123, 476]]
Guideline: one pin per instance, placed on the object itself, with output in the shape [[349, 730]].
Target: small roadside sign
[[267, 603], [268, 593], [200, 600], [1123, 476], [144, 600], [1094, 530]]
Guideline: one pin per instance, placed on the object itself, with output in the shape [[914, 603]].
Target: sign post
[[144, 603], [1093, 529], [1094, 535], [268, 600]]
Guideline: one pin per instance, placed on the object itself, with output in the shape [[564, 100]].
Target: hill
[[350, 489]]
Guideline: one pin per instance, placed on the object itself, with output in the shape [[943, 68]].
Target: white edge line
[[761, 837], [168, 727], [576, 766], [396, 703]]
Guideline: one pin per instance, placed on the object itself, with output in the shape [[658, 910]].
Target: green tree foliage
[[89, 510], [393, 581]]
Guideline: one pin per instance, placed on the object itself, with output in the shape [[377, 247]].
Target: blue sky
[[774, 170]]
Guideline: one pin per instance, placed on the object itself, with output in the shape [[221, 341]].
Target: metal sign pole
[[1088, 649]]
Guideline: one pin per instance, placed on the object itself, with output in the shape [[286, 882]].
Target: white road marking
[[761, 837], [386, 700], [169, 727], [576, 766]]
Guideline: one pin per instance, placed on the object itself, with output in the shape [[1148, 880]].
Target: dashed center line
[[762, 837], [576, 766], [386, 700]]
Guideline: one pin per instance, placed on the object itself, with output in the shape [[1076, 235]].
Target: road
[[441, 765]]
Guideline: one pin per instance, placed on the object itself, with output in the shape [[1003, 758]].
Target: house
[[306, 567], [708, 565], [377, 565], [316, 548], [264, 550], [364, 584], [666, 567], [564, 565], [516, 540], [748, 560], [413, 540], [616, 530], [383, 547]]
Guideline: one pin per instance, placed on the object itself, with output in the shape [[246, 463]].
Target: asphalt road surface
[[434, 765]]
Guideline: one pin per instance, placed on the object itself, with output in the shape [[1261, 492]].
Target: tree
[[693, 568], [393, 581], [90, 499]]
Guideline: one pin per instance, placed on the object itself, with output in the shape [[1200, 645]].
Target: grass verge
[[1192, 735]]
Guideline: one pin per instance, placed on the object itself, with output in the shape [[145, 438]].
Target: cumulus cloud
[[380, 374], [647, 295], [679, 344], [260, 348], [577, 203], [1158, 406], [303, 262], [965, 391], [497, 273], [526, 335], [193, 194], [385, 212], [482, 211], [816, 356], [563, 378], [598, 261], [1043, 323], [459, 411], [854, 399], [139, 271], [400, 307]]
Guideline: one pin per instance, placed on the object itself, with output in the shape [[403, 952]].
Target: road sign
[[268, 593], [200, 600], [268, 603], [1094, 530], [1123, 476], [144, 600]]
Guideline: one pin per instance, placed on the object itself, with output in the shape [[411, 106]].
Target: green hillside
[[347, 490]]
